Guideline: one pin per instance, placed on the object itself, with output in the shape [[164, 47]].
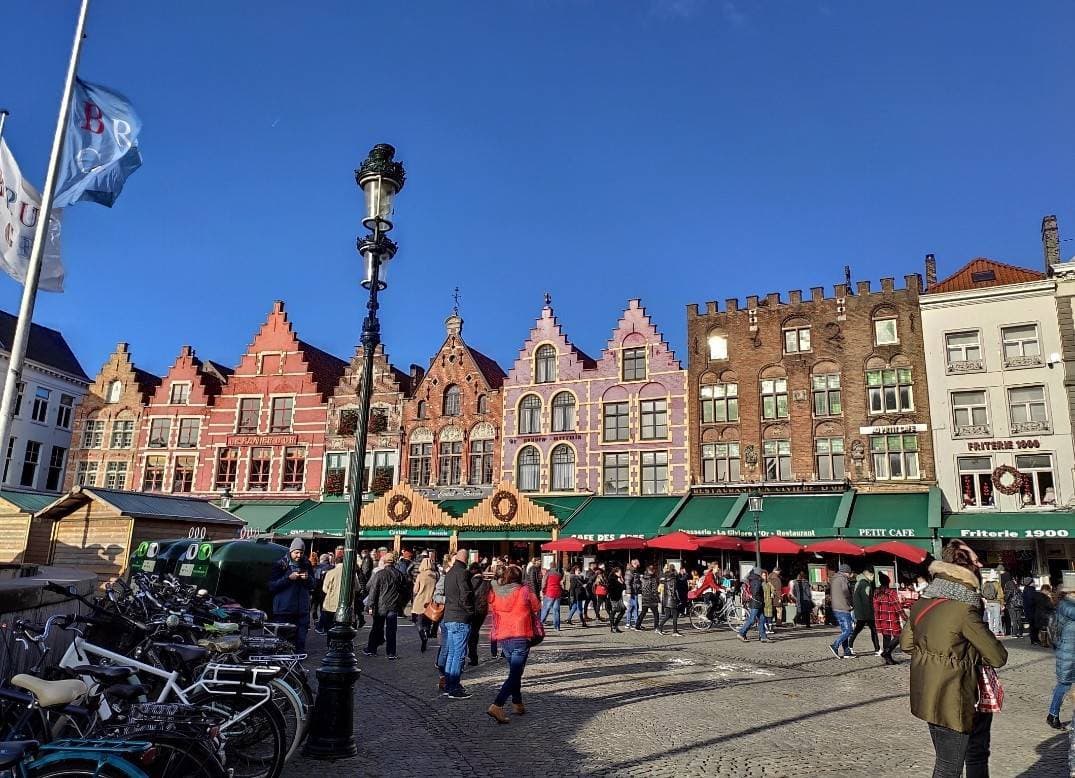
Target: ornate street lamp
[[332, 721], [755, 506]]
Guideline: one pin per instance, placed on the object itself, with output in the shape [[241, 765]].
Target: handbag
[[537, 628], [434, 611], [990, 692]]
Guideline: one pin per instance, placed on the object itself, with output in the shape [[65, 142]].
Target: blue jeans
[[575, 608], [847, 626], [1058, 697], [551, 604], [453, 651], [756, 615], [515, 650], [632, 610]]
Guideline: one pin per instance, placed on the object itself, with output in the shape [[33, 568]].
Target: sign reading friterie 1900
[[1003, 445]]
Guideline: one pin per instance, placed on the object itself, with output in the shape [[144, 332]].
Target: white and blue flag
[[100, 148], [20, 208]]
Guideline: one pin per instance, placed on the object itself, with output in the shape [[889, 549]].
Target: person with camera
[[290, 583]]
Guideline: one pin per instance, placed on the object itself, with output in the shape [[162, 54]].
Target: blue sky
[[676, 150]]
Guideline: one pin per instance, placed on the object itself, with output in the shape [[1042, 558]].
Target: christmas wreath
[[506, 514], [1007, 488], [399, 508]]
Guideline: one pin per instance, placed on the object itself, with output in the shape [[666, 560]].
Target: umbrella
[[622, 544], [572, 545], [902, 550], [837, 546], [776, 545], [721, 542], [676, 541]]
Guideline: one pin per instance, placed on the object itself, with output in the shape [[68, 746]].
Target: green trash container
[[238, 569], [157, 556]]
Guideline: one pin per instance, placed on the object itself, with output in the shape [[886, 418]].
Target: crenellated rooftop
[[912, 282]]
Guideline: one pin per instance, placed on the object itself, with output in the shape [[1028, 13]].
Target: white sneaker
[[879, 652]]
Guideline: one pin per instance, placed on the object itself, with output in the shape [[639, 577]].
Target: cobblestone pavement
[[704, 704]]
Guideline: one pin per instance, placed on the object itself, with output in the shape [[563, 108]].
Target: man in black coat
[[387, 598], [455, 626]]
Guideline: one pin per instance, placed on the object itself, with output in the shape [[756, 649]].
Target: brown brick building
[[104, 437], [818, 390], [391, 387], [452, 421]]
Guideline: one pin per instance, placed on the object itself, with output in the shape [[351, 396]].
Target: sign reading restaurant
[[262, 440]]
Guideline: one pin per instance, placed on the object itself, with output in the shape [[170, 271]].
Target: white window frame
[[965, 362], [799, 340], [979, 475], [779, 452], [882, 463], [723, 456], [1022, 359], [1031, 424], [182, 385], [969, 419], [1030, 477], [878, 323], [64, 411]]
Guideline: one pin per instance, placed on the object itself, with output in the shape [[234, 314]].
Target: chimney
[[931, 271], [417, 373], [1050, 241]]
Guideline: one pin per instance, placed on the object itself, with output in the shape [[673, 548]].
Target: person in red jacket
[[512, 606], [887, 610]]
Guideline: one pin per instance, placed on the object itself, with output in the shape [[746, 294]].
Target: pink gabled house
[[616, 425]]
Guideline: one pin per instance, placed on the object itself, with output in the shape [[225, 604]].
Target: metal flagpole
[[33, 270], [3, 121]]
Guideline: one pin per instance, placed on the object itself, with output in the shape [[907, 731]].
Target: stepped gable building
[[615, 426], [104, 445], [821, 390], [391, 388], [451, 422], [52, 383], [170, 434], [265, 436]]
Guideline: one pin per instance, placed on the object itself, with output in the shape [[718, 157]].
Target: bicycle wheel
[[700, 618], [256, 744], [737, 616], [293, 711], [175, 756]]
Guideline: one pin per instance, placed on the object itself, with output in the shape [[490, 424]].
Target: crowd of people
[[950, 622]]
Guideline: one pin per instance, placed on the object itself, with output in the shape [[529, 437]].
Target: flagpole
[[3, 121], [33, 270]]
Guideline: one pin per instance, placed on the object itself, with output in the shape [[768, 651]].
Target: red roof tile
[[492, 372], [975, 275]]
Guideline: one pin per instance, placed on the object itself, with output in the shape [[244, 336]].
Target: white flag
[[20, 206]]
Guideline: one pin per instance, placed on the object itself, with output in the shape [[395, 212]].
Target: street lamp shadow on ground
[[331, 730]]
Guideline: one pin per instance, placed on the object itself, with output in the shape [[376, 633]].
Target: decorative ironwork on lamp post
[[331, 732], [755, 506]]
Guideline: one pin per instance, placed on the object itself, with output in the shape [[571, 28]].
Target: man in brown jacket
[[948, 643]]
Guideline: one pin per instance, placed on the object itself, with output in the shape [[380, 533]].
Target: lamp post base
[[332, 721]]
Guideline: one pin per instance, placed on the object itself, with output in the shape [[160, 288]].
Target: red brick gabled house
[[265, 436], [169, 438], [452, 421], [391, 387], [104, 436]]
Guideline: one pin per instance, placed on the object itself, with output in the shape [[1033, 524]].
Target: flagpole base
[[332, 721]]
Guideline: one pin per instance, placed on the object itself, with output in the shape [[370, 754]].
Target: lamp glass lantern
[[372, 257], [380, 191], [754, 503]]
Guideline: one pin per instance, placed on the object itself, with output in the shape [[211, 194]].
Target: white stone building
[[53, 383]]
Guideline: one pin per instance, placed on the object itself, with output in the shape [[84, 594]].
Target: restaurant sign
[[1002, 445], [893, 429], [262, 440]]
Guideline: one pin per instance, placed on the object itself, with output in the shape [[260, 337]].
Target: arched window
[[421, 412], [483, 403], [718, 345], [453, 405], [545, 364], [530, 415], [563, 412], [115, 390], [563, 469], [529, 469]]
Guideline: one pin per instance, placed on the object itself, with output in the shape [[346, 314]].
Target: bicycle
[[716, 611], [73, 759]]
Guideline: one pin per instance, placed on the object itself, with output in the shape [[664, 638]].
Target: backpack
[[989, 590], [1053, 630]]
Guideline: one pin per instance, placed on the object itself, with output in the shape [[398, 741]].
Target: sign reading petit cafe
[[1003, 445]]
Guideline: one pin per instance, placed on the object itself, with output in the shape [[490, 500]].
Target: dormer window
[[180, 394], [545, 364]]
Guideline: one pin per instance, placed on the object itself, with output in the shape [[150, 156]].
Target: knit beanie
[[845, 568], [298, 545]]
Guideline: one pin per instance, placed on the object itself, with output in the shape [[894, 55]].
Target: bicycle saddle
[[222, 627], [128, 692], [14, 751], [102, 672], [184, 652], [50, 693]]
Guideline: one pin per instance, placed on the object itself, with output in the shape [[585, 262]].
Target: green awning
[[702, 515], [495, 535], [792, 516], [379, 534], [1016, 525], [896, 516], [560, 507], [262, 514], [456, 508], [609, 518], [313, 518], [925, 543]]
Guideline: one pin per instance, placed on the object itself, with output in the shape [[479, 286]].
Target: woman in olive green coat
[[948, 641]]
